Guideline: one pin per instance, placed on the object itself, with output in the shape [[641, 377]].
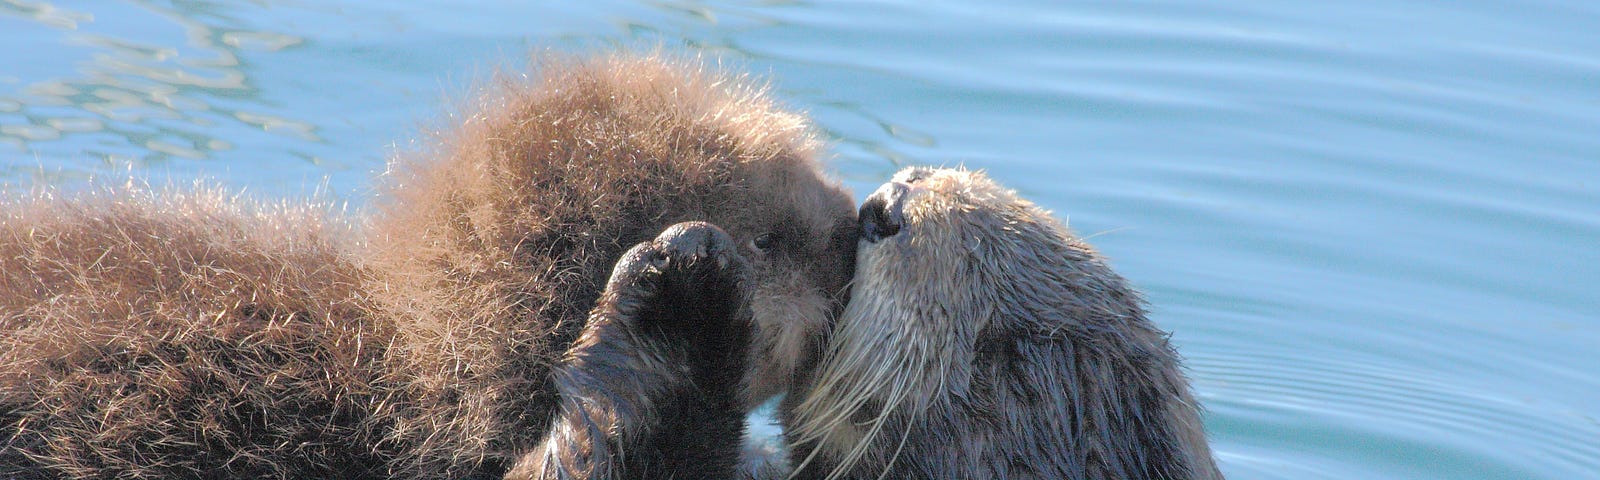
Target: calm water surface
[[1373, 227]]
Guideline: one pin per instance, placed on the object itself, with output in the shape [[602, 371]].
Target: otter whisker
[[906, 434], [1103, 232], [848, 379], [896, 394], [903, 372], [898, 397]]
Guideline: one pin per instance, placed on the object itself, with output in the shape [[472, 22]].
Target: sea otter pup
[[182, 335], [651, 388], [983, 340], [492, 252]]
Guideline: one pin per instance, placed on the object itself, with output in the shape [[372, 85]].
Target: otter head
[[948, 262], [493, 246], [798, 231]]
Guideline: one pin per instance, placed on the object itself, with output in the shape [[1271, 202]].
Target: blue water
[[1373, 226]]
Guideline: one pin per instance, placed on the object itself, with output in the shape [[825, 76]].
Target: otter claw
[[693, 241], [680, 247]]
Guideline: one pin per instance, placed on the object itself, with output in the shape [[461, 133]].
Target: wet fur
[[985, 341], [187, 334]]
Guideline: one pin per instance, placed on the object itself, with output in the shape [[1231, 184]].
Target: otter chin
[[982, 339]]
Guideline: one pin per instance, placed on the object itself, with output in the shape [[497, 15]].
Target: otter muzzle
[[881, 215]]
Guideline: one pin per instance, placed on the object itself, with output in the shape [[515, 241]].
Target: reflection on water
[[138, 96], [46, 13], [868, 146], [175, 87]]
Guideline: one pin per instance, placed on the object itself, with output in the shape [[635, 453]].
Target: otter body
[[186, 335], [494, 250], [983, 340], [196, 338]]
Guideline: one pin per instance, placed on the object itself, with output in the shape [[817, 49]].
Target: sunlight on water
[[1371, 226]]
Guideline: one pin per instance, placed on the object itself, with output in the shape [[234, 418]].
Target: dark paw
[[691, 270], [699, 257]]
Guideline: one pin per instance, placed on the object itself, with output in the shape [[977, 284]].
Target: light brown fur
[[189, 330], [493, 250]]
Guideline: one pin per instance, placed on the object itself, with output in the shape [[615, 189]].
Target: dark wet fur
[[650, 390], [1054, 370]]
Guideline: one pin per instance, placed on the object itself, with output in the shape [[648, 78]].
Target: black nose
[[881, 215]]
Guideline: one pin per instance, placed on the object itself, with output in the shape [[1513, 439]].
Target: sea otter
[[190, 334], [983, 340]]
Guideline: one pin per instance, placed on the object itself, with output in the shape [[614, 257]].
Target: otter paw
[[690, 274], [656, 372]]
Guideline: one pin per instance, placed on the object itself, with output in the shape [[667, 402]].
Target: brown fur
[[984, 340], [493, 250], [426, 351], [161, 336]]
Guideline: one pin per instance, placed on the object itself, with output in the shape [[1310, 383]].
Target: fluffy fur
[[493, 250], [983, 340], [160, 336], [188, 335]]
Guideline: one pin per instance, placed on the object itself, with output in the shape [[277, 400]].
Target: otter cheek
[[790, 314]]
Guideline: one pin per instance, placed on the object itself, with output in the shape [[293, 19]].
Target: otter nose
[[881, 215]]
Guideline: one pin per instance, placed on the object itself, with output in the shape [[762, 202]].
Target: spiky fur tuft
[[164, 335]]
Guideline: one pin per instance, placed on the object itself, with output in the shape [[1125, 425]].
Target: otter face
[[931, 239], [977, 324], [928, 223], [934, 270], [798, 231]]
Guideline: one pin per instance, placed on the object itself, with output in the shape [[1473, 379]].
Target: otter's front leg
[[650, 389]]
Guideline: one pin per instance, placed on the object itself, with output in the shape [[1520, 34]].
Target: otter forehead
[[943, 234], [971, 186], [788, 193], [962, 205]]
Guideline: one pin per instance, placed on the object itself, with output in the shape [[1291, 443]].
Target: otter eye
[[765, 242]]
